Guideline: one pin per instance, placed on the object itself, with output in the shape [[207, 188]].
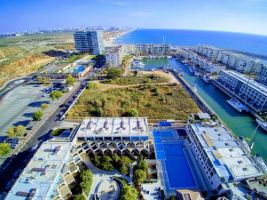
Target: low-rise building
[[152, 49], [250, 92], [114, 134], [185, 194], [49, 173], [220, 157]]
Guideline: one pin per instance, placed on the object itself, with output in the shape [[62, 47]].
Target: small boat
[[206, 79], [191, 70], [262, 124], [198, 74], [237, 105], [138, 64]]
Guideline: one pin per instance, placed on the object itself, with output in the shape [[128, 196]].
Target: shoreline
[[111, 42]]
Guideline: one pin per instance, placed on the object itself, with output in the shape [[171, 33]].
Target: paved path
[[101, 176]]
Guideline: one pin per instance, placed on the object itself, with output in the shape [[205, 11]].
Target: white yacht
[[206, 79], [138, 64], [237, 105], [262, 124]]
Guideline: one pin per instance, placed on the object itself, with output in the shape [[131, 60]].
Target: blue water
[[177, 173], [256, 44], [78, 69]]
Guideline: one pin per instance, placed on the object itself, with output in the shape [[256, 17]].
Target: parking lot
[[18, 105]]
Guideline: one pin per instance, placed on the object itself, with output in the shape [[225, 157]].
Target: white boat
[[262, 124], [206, 79], [191, 70], [197, 74], [138, 64], [237, 105]]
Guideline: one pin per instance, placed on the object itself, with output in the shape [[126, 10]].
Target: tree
[[131, 113], [86, 181], [114, 72], [106, 163], [79, 197], [128, 193], [124, 169], [139, 176], [70, 80], [44, 106], [55, 94], [37, 116], [17, 131], [4, 149]]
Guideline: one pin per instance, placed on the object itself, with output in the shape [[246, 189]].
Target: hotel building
[[250, 92], [220, 157], [89, 42], [119, 134]]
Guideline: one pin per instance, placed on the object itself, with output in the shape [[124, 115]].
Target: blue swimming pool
[[78, 69], [170, 151]]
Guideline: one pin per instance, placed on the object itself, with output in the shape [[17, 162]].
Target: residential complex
[[250, 92], [152, 49], [221, 158], [114, 56], [49, 174], [236, 61], [262, 77], [123, 135], [89, 42]]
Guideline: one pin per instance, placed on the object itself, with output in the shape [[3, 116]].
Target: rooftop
[[225, 154], [40, 175], [113, 126], [244, 79]]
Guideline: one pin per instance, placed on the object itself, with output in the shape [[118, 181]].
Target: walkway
[[101, 177]]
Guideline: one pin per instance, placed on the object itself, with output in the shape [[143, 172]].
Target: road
[[40, 133]]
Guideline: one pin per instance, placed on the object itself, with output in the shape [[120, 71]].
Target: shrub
[[70, 80], [44, 106], [114, 73], [55, 94], [128, 193], [37, 116], [131, 113], [4, 149], [17, 131]]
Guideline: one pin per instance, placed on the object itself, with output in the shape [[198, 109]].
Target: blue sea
[[255, 44]]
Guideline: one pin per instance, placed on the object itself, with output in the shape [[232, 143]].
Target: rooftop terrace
[[113, 126], [42, 172], [225, 154]]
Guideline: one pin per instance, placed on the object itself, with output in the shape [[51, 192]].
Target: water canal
[[241, 124]]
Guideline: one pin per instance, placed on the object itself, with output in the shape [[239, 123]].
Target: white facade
[[115, 134], [114, 56], [239, 62], [219, 155], [247, 90]]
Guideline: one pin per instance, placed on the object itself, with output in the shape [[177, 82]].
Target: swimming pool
[[170, 151], [78, 69]]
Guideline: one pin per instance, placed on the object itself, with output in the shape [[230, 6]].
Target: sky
[[249, 16]]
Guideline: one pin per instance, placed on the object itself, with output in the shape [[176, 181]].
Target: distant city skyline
[[246, 16]]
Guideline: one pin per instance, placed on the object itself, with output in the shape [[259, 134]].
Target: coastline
[[111, 42]]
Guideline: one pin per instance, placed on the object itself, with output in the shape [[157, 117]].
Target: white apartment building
[[245, 89], [152, 49], [262, 77], [220, 156], [114, 56], [236, 61]]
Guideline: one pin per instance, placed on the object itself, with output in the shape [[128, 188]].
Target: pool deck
[[174, 161]]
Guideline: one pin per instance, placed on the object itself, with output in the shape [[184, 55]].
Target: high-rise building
[[89, 42]]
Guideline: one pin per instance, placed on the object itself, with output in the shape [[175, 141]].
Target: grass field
[[25, 54], [155, 101]]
